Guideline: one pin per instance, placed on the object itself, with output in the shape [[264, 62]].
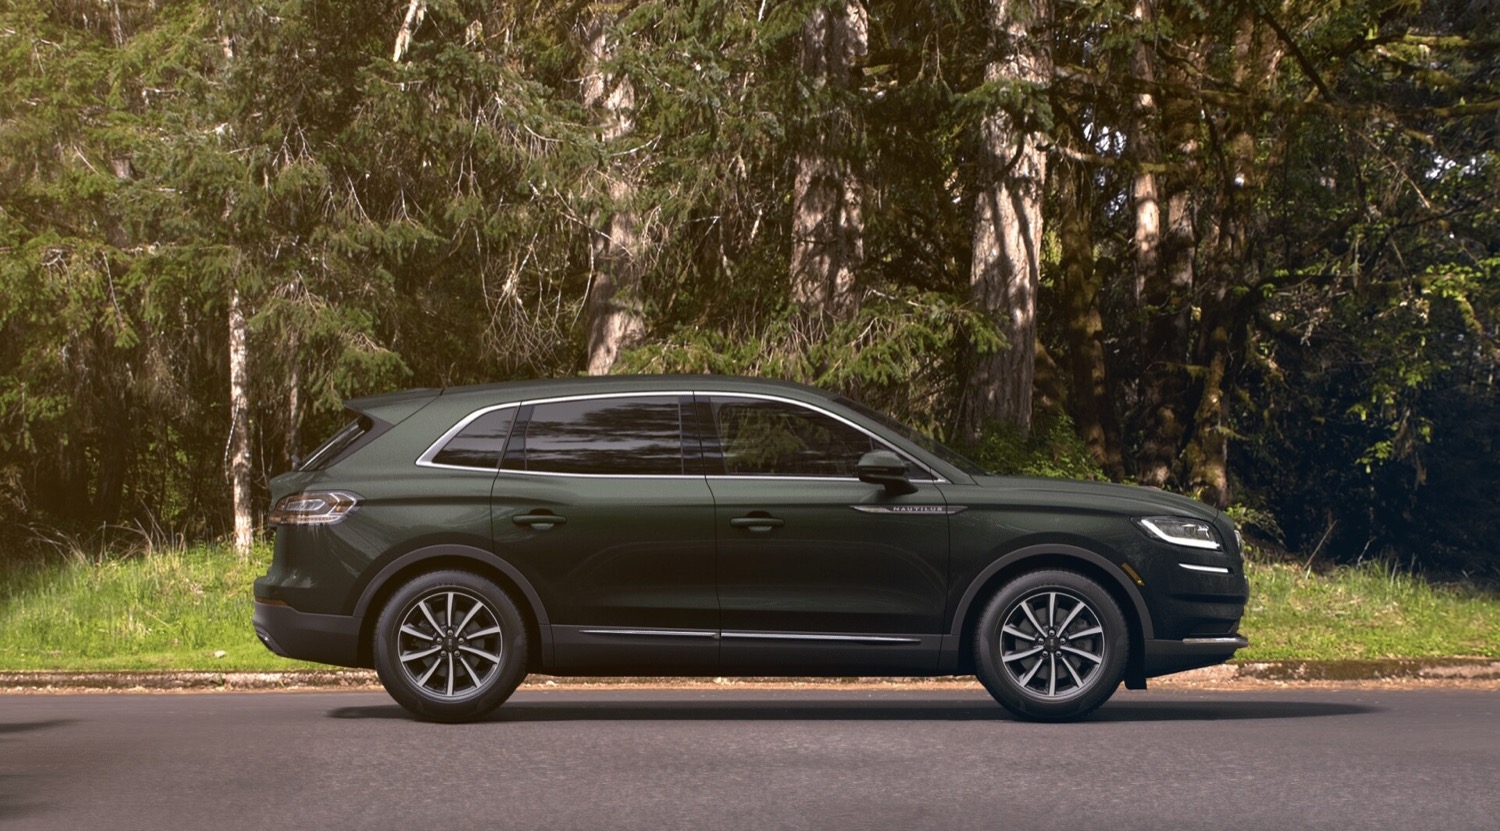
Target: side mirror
[[882, 467]]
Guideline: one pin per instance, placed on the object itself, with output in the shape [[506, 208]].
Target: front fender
[[1055, 555]]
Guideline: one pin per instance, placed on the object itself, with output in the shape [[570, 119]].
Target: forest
[[1245, 250]]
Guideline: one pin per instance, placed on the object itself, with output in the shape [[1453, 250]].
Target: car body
[[458, 539]]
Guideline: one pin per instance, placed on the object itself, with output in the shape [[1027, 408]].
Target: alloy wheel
[[450, 644], [1052, 644]]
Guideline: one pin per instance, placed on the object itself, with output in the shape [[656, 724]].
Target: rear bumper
[[1166, 657], [325, 639]]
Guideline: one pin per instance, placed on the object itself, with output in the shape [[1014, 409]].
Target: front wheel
[[450, 646], [1051, 646]]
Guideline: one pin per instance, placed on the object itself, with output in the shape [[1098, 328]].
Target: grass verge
[[162, 608], [173, 608], [1369, 611]]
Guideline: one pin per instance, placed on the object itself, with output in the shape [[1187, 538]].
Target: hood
[[1135, 499]]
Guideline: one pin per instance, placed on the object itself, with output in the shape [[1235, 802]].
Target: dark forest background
[[1249, 251]]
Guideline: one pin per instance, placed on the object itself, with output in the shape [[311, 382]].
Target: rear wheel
[[450, 646], [1051, 646]]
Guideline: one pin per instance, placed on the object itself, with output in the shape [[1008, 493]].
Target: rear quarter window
[[351, 437], [480, 443]]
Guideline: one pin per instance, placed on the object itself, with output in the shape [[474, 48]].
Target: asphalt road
[[734, 759]]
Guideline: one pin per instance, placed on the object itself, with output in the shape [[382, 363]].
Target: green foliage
[[894, 354], [428, 221], [1052, 449]]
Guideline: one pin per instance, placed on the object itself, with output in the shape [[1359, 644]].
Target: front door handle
[[756, 524], [540, 522]]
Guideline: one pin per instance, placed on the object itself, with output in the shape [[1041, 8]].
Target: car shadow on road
[[911, 710], [13, 795]]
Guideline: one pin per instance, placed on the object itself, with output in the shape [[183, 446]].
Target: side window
[[480, 443], [774, 438], [639, 436]]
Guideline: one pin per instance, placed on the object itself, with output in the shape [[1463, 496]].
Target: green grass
[[1364, 612], [162, 608], [175, 608]]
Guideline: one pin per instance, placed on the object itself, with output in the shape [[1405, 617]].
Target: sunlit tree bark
[[239, 427], [1007, 250], [615, 317], [828, 193]]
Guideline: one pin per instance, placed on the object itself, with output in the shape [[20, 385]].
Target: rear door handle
[[541, 522], [756, 524]]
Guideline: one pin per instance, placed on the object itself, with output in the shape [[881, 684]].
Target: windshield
[[917, 437]]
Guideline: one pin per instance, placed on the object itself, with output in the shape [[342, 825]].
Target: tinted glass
[[917, 437], [480, 443], [623, 436], [773, 438], [334, 449]]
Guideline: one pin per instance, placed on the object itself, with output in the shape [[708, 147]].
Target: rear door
[[601, 503]]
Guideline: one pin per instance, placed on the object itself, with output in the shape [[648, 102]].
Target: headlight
[[313, 508], [1191, 533]]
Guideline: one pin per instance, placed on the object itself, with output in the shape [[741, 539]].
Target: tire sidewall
[[1025, 703], [498, 687]]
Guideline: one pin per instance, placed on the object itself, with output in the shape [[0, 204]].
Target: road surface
[[759, 759]]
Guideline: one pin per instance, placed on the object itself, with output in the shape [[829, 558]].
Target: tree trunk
[[1088, 378], [293, 445], [616, 320], [239, 427], [1233, 262], [1145, 151], [1166, 276], [1007, 257], [1207, 454], [828, 192]]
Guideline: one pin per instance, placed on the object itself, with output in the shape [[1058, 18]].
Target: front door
[[815, 568]]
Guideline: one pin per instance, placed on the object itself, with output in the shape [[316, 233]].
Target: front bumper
[[325, 639], [1166, 657]]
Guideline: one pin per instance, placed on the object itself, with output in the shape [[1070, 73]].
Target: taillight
[[313, 508]]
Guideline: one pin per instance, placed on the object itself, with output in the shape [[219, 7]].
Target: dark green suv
[[697, 525]]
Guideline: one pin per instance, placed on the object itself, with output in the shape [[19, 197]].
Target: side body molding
[[479, 557]]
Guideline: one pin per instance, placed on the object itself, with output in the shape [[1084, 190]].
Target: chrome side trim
[[656, 633], [1205, 569], [1237, 641], [785, 636]]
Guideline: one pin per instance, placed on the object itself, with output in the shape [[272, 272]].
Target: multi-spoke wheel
[[450, 646], [1051, 645]]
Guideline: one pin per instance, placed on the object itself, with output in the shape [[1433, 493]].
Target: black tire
[[1051, 646], [450, 646]]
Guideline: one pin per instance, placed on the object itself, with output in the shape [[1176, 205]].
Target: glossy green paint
[[705, 554]]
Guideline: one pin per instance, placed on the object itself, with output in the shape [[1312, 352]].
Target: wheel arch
[[462, 558], [1055, 556]]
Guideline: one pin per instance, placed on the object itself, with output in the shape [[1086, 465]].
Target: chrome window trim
[[425, 460], [934, 477], [558, 474]]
